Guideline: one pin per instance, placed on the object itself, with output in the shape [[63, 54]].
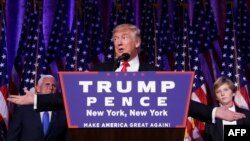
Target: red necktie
[[125, 64]]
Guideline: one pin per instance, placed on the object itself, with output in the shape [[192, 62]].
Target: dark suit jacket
[[54, 102], [214, 132], [26, 125]]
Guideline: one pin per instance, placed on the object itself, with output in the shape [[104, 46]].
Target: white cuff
[[213, 114], [35, 101]]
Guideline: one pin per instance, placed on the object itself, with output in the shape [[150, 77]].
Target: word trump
[[142, 87]]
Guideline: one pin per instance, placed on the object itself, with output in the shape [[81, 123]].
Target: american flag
[[58, 33], [176, 19], [199, 91], [56, 45], [129, 14], [200, 40], [210, 21], [180, 19], [182, 62], [77, 47], [93, 27], [205, 32], [195, 128], [4, 114], [122, 12], [200, 24], [35, 62], [243, 30], [232, 60], [165, 38], [22, 47], [149, 31], [212, 52], [187, 59]]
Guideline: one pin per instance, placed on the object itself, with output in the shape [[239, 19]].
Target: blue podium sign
[[126, 100]]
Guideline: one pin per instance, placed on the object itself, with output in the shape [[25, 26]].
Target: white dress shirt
[[224, 122], [41, 115], [133, 65]]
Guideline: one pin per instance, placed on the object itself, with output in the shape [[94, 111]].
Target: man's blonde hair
[[134, 29]]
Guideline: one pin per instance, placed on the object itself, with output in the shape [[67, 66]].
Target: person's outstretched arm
[[196, 110], [203, 113], [200, 111], [48, 102]]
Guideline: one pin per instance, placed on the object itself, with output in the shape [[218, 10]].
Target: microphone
[[123, 57]]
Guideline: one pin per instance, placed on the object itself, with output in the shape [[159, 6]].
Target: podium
[[129, 106]]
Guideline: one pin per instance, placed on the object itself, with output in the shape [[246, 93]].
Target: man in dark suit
[[27, 124], [126, 39]]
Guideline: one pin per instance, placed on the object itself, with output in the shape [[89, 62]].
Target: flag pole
[[235, 51], [38, 37], [126, 16], [91, 21], [118, 7], [155, 5], [184, 7], [77, 9], [210, 50], [1, 19]]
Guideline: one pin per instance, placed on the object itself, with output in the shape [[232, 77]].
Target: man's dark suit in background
[[26, 125]]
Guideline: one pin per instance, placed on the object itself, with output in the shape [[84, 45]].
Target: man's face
[[48, 86], [125, 42]]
